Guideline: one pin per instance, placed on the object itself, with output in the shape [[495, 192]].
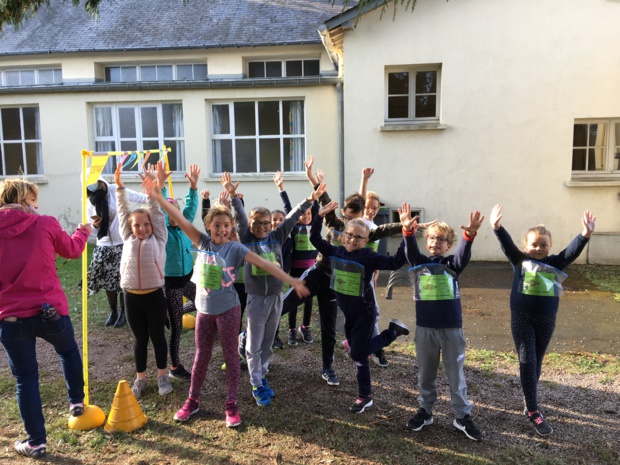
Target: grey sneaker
[[139, 385], [541, 425], [165, 386]]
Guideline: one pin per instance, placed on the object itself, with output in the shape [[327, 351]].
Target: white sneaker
[[165, 386], [139, 385]]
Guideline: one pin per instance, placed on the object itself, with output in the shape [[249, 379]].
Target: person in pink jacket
[[33, 304]]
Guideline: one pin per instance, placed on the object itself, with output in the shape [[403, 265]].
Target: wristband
[[467, 237], [407, 233], [120, 188]]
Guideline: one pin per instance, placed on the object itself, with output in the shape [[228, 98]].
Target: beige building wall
[[67, 127], [515, 76]]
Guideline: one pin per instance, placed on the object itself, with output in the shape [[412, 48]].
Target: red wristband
[[407, 233]]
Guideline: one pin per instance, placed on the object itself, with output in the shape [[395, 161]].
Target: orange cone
[[125, 413]]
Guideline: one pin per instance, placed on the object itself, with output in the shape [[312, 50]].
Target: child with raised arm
[[534, 300], [439, 322], [264, 291], [216, 299], [179, 266], [142, 279], [352, 267]]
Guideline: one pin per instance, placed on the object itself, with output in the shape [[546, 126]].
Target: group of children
[[340, 270]]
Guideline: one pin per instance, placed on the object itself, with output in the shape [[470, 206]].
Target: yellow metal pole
[[85, 282]]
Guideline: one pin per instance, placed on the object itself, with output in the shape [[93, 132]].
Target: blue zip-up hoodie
[[180, 261]]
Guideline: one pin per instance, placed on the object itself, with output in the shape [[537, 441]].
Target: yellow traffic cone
[[93, 417], [189, 321], [125, 413]]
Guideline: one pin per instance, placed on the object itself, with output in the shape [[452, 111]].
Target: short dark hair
[[355, 202]]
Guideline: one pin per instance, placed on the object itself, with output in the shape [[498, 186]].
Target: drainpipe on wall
[[337, 57]]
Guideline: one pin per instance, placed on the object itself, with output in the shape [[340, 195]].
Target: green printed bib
[[374, 246], [347, 282], [436, 287], [208, 270], [302, 243], [240, 276], [538, 283], [270, 257]]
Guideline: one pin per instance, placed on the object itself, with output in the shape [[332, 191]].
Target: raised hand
[[161, 174], [308, 165], [117, 176], [475, 221], [192, 176], [496, 216], [409, 223], [319, 176], [227, 183], [330, 207], [589, 222], [318, 192], [224, 199], [367, 172], [279, 180], [205, 194]]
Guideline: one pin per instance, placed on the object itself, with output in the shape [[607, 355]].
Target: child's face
[[355, 237], [537, 245], [261, 226], [371, 209], [220, 229], [306, 218], [30, 201], [276, 220], [141, 225], [437, 242], [348, 215], [171, 222]]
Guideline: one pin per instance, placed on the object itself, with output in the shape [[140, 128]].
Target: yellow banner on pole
[[96, 168]]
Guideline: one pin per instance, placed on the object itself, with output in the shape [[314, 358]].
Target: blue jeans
[[19, 340]]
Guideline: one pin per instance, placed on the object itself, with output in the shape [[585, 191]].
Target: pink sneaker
[[189, 408], [232, 415]]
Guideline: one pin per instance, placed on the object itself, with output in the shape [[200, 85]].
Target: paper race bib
[[208, 270], [540, 279], [374, 246], [302, 242], [270, 257], [347, 277], [434, 281]]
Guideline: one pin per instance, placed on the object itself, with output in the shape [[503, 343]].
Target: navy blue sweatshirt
[[533, 303]]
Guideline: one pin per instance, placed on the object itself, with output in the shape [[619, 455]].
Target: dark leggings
[[146, 316], [176, 310], [531, 333], [243, 300], [112, 301], [292, 315]]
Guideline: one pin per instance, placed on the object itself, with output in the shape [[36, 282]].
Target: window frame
[[22, 142], [56, 76], [283, 63], [610, 144], [117, 139], [413, 70], [138, 71], [257, 137]]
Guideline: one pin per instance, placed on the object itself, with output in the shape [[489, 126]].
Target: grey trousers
[[449, 343], [263, 315]]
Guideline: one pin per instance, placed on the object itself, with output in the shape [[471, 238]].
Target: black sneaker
[[329, 375], [23, 448], [398, 327], [361, 404], [379, 358], [180, 373], [467, 426], [292, 337], [420, 420], [76, 410], [242, 340], [306, 334], [277, 343], [541, 425]]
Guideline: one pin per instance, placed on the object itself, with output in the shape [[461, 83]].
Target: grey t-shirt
[[216, 302]]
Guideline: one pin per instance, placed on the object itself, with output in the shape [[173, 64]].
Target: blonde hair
[[16, 190], [371, 195], [260, 211], [442, 228], [218, 210], [138, 211], [540, 230], [359, 222]]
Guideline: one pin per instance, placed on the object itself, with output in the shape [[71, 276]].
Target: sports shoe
[[232, 415], [467, 426], [76, 409], [189, 408], [139, 385], [242, 340], [261, 395], [277, 343], [268, 388], [420, 420], [23, 448], [398, 327], [379, 358], [361, 404], [306, 334], [541, 425], [180, 373], [292, 337], [329, 375], [164, 384]]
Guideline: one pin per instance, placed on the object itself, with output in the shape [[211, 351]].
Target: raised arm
[[508, 246], [206, 203], [191, 199], [122, 204], [475, 221], [279, 181], [300, 288], [367, 172]]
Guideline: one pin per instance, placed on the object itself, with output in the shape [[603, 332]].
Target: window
[[413, 93], [30, 77], [142, 127], [283, 68], [20, 141], [258, 137], [596, 148], [174, 72]]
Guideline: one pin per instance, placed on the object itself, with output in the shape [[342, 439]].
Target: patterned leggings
[[176, 310], [226, 325], [531, 333]]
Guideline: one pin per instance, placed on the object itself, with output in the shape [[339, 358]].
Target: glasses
[[350, 236], [263, 224], [439, 239], [374, 209]]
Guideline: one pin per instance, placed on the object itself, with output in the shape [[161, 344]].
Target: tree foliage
[[15, 12]]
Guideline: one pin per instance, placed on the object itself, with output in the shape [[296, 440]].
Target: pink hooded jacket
[[29, 243]]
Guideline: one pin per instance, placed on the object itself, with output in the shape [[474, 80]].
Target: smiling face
[[141, 225], [261, 225], [348, 214], [306, 218], [371, 209], [220, 229], [537, 245], [437, 242], [277, 218], [355, 236]]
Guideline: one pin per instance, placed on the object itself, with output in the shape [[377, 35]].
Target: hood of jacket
[[15, 219]]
